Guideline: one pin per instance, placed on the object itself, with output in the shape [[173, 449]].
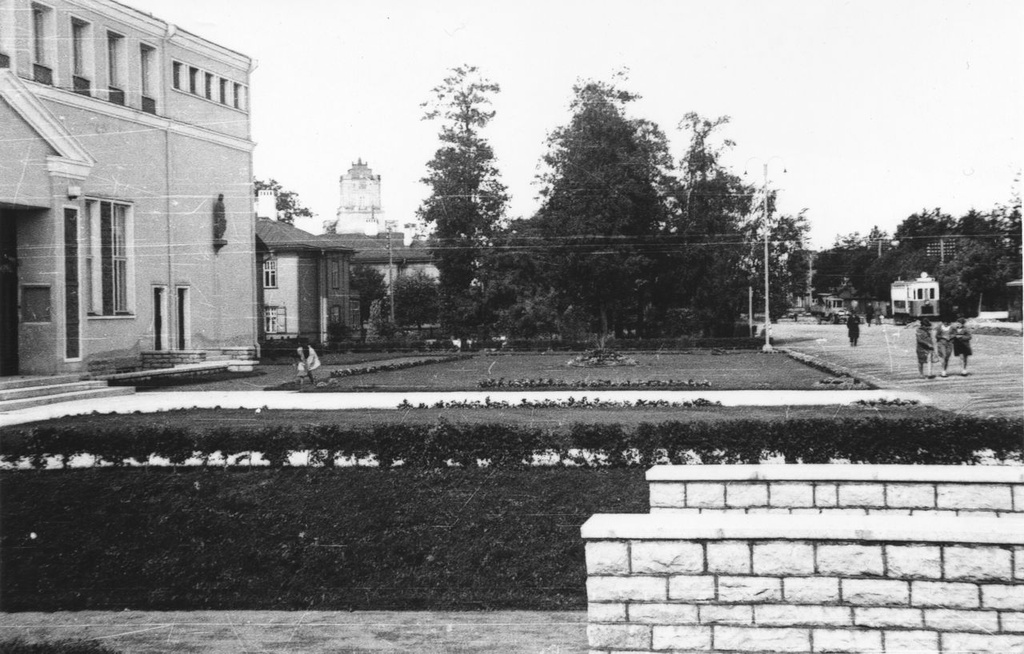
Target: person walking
[[869, 313], [925, 347], [853, 328], [308, 362], [943, 343], [961, 338]]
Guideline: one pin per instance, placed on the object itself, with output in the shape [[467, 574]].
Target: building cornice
[[149, 120], [72, 159], [162, 29]]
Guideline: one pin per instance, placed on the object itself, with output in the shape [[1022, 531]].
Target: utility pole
[[391, 267], [767, 318]]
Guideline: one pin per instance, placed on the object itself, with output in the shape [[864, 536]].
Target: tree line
[[972, 257], [626, 242], [629, 242]]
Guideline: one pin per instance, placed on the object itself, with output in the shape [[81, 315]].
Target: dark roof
[[374, 249], [275, 235]]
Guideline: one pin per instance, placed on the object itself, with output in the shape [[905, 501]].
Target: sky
[[864, 112]]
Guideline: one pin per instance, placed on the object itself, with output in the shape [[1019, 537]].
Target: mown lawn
[[302, 539]]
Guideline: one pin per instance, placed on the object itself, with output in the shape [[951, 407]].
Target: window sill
[[116, 316]]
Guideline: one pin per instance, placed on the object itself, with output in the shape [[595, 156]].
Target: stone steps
[[57, 393], [37, 390]]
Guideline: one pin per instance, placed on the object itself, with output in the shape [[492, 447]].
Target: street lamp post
[[767, 317]]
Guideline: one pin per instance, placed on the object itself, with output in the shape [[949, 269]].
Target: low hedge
[[932, 439], [21, 646]]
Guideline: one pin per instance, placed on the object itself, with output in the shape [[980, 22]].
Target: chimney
[[266, 204]]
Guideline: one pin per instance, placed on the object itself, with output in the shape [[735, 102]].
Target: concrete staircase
[[25, 392]]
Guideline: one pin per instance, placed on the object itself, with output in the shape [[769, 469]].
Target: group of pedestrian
[[945, 340]]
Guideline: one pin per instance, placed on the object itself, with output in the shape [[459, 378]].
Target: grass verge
[[310, 539]]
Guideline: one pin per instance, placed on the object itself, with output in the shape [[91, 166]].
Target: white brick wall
[[744, 577], [926, 488]]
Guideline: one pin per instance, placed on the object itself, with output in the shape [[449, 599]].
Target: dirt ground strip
[[313, 632]]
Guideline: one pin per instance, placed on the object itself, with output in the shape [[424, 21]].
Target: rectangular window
[[146, 59], [79, 35], [193, 79], [110, 245], [270, 273], [116, 75], [177, 68], [239, 104], [119, 254], [40, 31], [209, 86], [42, 38], [335, 274], [81, 64], [274, 320], [147, 66], [35, 304], [115, 67], [223, 91]]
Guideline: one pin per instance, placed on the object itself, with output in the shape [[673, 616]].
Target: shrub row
[[920, 439], [592, 383]]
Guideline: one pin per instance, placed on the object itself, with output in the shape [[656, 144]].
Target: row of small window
[[207, 85], [270, 274], [44, 38]]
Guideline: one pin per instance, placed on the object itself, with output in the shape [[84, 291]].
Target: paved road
[[886, 354]]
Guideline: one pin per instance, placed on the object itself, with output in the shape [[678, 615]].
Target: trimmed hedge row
[[287, 349], [938, 439]]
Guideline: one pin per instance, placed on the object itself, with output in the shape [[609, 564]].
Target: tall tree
[[288, 205], [602, 203], [467, 200], [703, 273]]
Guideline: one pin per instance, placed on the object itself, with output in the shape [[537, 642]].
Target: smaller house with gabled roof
[[390, 253], [304, 284]]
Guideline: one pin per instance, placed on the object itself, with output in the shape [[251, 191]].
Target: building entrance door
[[8, 294], [159, 309]]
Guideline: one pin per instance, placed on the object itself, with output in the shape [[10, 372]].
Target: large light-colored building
[[126, 211]]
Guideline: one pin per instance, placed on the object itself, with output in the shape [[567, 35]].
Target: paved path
[[886, 354], [309, 632]]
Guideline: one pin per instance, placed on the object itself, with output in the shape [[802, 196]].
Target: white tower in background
[[360, 211]]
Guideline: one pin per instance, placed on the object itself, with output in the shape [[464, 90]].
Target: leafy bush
[[920, 439]]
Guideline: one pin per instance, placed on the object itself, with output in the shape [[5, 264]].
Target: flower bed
[[593, 383], [601, 358], [571, 403], [390, 367]]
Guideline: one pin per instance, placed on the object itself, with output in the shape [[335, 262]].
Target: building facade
[[304, 285], [126, 212], [360, 208]]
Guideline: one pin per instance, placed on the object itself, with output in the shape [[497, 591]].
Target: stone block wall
[[720, 582], [157, 359], [987, 491]]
